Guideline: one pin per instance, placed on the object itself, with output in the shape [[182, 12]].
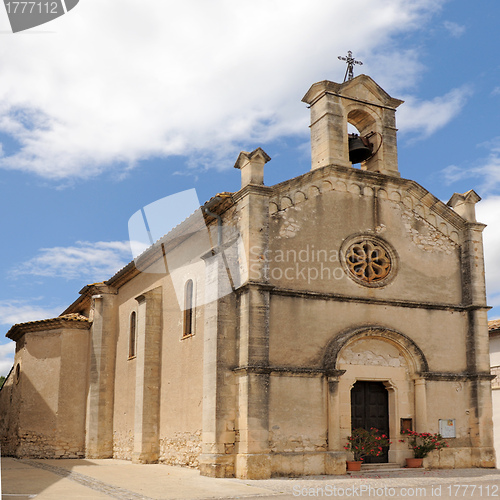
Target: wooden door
[[370, 408]]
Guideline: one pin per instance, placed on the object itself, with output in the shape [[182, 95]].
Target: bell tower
[[363, 103]]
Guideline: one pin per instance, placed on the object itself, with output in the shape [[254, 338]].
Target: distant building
[[341, 298], [494, 329]]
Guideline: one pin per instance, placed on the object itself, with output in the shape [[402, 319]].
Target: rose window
[[368, 261]]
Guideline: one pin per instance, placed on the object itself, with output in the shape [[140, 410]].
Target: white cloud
[[487, 170], [488, 212], [7, 357], [20, 311], [454, 29], [490, 173], [120, 81], [395, 70], [425, 117], [84, 261]]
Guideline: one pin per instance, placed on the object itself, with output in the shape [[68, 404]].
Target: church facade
[[341, 298]]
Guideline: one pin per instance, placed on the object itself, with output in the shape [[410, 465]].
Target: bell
[[359, 148]]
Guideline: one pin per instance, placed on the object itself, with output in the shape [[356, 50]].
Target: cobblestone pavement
[[105, 479]]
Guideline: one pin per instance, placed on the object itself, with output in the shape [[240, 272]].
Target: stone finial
[[464, 204], [252, 166]]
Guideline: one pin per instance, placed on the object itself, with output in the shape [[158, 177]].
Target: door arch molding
[[410, 350], [374, 354]]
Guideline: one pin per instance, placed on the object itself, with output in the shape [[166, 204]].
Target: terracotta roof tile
[[493, 325]]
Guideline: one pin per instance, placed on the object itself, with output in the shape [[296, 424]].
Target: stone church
[[345, 297]]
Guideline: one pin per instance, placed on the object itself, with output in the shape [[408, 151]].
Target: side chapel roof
[[65, 321], [494, 327]]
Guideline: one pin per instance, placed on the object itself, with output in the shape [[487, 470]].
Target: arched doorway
[[375, 370]]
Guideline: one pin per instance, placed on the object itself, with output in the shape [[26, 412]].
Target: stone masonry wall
[[33, 445], [123, 445], [183, 448]]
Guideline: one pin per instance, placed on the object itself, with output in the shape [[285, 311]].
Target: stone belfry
[[362, 103]]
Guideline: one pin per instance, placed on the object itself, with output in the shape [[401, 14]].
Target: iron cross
[[349, 75]]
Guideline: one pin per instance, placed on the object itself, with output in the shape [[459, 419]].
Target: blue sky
[[120, 103]]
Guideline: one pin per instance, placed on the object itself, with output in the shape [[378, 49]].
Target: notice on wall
[[447, 428]]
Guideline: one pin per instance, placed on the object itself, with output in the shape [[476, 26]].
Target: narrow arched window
[[132, 339], [188, 309]]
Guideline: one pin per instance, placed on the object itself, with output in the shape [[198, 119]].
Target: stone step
[[381, 468], [386, 465]]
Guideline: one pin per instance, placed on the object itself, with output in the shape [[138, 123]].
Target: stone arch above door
[[396, 350], [380, 355]]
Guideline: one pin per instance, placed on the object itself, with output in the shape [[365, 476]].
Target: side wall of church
[[180, 368]]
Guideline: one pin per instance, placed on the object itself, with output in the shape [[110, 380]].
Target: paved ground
[[105, 479]]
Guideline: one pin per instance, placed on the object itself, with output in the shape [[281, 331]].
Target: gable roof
[[350, 89]]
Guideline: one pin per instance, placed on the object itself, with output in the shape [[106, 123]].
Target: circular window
[[368, 260]]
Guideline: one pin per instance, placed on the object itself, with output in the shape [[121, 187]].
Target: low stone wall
[[183, 448], [123, 445], [308, 463], [33, 445], [460, 458], [9, 444]]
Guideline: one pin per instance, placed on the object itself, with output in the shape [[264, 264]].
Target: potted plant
[[422, 443], [363, 443]]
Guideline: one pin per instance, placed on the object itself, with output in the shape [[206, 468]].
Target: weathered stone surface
[[183, 449]]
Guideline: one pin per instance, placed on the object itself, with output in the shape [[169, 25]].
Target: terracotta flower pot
[[354, 465], [413, 463]]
